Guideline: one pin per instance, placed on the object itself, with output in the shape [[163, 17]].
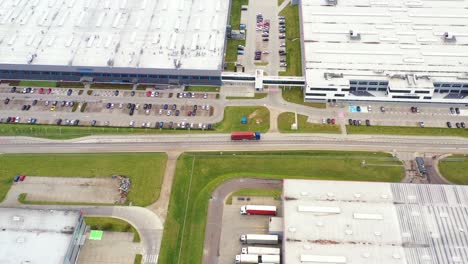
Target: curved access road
[[147, 223], [215, 211]]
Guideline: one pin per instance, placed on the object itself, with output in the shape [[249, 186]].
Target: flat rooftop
[[35, 236], [365, 222], [388, 37], [167, 34]]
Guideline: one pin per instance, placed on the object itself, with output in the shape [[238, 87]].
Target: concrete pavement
[[215, 211]]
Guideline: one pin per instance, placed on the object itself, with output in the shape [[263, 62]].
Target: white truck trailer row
[[256, 259], [259, 239], [261, 250]]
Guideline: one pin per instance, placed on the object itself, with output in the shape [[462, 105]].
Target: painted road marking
[[150, 258]]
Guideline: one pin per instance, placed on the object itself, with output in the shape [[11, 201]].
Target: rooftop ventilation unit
[[331, 75], [449, 37], [354, 36], [332, 2]]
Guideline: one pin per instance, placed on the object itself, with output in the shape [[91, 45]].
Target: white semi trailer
[[255, 259], [259, 239], [261, 250]]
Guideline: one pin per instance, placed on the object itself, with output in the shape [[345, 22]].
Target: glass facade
[[109, 77]]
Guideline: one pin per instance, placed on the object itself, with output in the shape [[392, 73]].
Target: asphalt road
[[222, 142], [215, 211]]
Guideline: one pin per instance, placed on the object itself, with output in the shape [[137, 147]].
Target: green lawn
[[286, 119], [198, 174], [231, 53], [112, 224], [202, 88], [256, 96], [38, 83], [146, 170], [296, 95], [275, 193], [410, 131], [230, 123], [138, 259], [454, 169], [235, 15], [23, 198], [254, 114], [280, 2], [293, 41]]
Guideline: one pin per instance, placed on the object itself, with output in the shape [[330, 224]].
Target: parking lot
[[117, 108], [234, 225], [262, 37]]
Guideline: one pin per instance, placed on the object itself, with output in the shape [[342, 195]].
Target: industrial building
[[366, 222], [144, 41], [40, 236], [406, 51]]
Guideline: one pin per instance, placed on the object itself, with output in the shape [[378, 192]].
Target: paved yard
[[115, 247], [235, 225], [56, 189]]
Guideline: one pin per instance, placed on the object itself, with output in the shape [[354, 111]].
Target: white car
[[148, 124], [17, 120], [147, 111], [283, 64], [266, 52], [160, 111], [169, 112], [369, 108], [153, 93], [324, 121], [132, 123], [205, 95]]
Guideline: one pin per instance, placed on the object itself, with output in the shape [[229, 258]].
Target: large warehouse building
[[385, 50], [40, 236], [368, 223], [145, 41]]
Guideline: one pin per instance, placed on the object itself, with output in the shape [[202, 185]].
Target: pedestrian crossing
[[150, 258]]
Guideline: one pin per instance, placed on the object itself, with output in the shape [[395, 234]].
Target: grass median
[[256, 96], [454, 169], [408, 131], [34, 83], [293, 41], [275, 193], [258, 119], [198, 174], [146, 170], [112, 224], [296, 95], [194, 88], [285, 120]]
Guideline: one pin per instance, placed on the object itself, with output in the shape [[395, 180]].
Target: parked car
[[174, 107], [22, 177], [449, 125], [13, 89], [7, 101], [421, 124], [457, 125], [358, 108], [166, 106], [333, 121], [177, 112], [93, 123], [367, 122], [69, 92], [328, 120], [16, 178], [59, 122], [34, 102], [457, 110], [382, 109], [462, 124], [132, 93], [350, 121]]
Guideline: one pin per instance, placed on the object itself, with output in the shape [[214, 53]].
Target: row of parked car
[[173, 125], [357, 122], [19, 178]]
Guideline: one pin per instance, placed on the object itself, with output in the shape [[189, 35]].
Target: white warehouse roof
[[165, 34], [36, 236], [365, 222], [388, 37]]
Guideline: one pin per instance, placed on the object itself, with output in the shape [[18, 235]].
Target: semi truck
[[253, 258], [259, 239], [260, 250], [245, 136], [258, 210]]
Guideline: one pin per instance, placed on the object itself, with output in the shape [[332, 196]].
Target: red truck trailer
[[245, 136], [258, 210]]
